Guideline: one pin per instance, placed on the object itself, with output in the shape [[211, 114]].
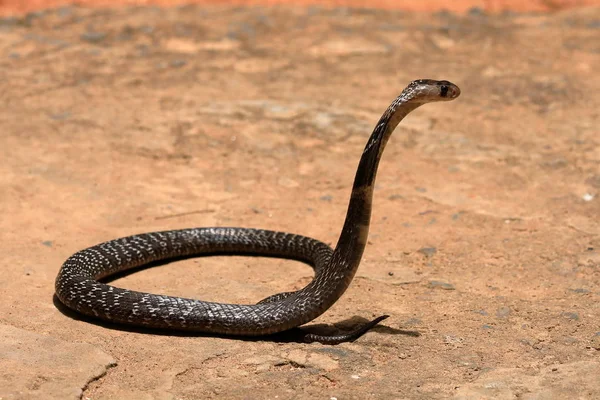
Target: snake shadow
[[294, 335]]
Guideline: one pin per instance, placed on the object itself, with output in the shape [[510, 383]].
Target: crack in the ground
[[96, 378]]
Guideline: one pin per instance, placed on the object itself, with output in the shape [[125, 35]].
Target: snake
[[80, 284]]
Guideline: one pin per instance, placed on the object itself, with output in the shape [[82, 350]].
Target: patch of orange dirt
[[20, 6]]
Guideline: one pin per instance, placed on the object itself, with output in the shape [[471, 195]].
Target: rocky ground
[[485, 240]]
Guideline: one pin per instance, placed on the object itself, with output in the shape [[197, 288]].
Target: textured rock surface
[[37, 366], [485, 240]]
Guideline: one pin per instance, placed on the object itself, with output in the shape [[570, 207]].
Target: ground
[[485, 242]]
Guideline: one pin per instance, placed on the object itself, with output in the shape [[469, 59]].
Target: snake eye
[[444, 90]]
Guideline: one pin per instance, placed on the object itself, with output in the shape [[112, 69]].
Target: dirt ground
[[485, 239], [22, 6]]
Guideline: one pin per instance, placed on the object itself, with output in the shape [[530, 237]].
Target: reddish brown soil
[[485, 236], [20, 6]]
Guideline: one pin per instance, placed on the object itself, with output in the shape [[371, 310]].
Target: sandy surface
[[21, 6], [485, 240]]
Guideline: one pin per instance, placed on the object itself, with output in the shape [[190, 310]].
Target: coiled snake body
[[78, 286]]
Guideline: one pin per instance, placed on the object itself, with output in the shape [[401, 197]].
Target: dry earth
[[485, 240], [22, 6]]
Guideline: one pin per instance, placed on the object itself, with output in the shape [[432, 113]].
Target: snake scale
[[78, 283]]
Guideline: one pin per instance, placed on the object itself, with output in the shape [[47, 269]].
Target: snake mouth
[[453, 92]]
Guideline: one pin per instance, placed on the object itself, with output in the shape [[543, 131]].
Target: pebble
[[569, 340], [441, 285], [503, 312], [93, 37], [595, 342], [453, 340], [61, 116], [571, 315], [579, 290], [177, 63], [476, 12], [427, 251], [593, 181], [594, 24]]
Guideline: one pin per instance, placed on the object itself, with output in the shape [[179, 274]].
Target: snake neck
[[353, 239]]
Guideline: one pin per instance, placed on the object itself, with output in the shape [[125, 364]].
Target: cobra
[[79, 286]]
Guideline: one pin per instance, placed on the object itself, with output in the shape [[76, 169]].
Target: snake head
[[428, 90]]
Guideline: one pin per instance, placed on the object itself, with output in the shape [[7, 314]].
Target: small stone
[[476, 12], [47, 243], [354, 376], [427, 251], [571, 315], [487, 327], [61, 116], [326, 198], [441, 285], [593, 181], [93, 37], [595, 342], [579, 290], [453, 340], [569, 340], [503, 312], [177, 63]]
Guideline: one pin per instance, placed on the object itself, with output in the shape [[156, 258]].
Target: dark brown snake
[[78, 286]]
